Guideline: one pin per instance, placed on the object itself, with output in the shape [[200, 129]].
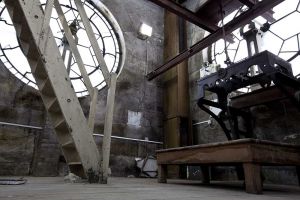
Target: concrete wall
[[24, 151], [138, 106], [274, 121]]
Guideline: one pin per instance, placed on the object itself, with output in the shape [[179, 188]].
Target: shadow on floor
[[237, 186]]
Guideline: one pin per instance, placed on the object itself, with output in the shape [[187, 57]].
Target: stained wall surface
[[137, 114]]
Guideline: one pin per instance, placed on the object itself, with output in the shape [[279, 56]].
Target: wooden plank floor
[[139, 189]]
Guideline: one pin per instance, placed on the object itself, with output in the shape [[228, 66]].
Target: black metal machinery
[[259, 70], [272, 70]]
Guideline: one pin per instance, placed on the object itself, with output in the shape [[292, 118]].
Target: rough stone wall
[[138, 106], [47, 152], [274, 121], [22, 105]]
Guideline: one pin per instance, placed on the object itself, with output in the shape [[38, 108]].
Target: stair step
[[18, 28], [29, 49], [46, 88], [33, 63], [25, 46], [17, 15], [49, 70], [71, 155], [74, 163], [23, 32], [77, 169], [61, 125], [68, 144], [53, 105], [38, 69]]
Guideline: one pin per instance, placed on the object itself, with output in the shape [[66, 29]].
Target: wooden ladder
[[47, 66]]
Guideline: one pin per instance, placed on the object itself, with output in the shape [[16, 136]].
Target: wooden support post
[[73, 47], [93, 40], [205, 174], [92, 113], [108, 128], [162, 173], [176, 95], [48, 12], [253, 178]]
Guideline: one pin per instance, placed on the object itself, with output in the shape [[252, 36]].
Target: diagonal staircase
[[47, 66]]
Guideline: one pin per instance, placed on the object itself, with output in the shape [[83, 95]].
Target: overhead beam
[[186, 14], [189, 16], [257, 10], [268, 15]]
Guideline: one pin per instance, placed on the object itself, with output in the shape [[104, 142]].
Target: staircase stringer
[[55, 87]]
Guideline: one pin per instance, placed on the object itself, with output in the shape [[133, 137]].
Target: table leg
[[162, 173], [205, 174], [253, 178]]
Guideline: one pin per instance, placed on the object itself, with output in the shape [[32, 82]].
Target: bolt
[[43, 59]]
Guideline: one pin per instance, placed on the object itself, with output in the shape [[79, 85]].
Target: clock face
[[105, 28], [281, 39]]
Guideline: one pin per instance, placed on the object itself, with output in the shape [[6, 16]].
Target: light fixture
[[145, 31]]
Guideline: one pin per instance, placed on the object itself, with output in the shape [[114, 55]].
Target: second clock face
[[282, 38], [110, 42]]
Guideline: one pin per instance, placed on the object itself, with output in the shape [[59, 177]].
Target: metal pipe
[[130, 139], [203, 122], [98, 135], [21, 125]]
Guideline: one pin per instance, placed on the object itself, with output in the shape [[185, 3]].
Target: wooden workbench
[[251, 153]]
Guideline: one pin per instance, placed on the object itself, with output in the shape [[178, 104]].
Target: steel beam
[[257, 10], [186, 14], [189, 16], [268, 15]]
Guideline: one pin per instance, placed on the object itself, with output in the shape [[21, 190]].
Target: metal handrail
[[130, 139], [97, 135], [21, 125]]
